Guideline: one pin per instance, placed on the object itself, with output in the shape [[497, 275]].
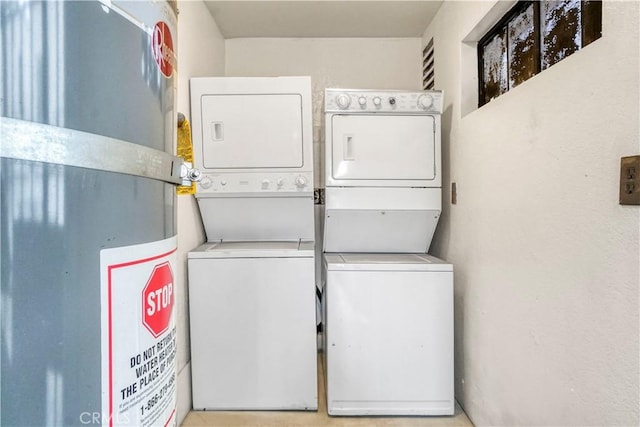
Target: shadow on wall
[[440, 244]]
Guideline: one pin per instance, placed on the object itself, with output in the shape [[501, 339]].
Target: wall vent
[[428, 69]]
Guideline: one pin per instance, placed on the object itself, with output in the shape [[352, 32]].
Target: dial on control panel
[[377, 101], [343, 100], [425, 101], [301, 181], [206, 182]]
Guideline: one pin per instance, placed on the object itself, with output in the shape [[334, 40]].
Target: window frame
[[591, 10], [502, 24]]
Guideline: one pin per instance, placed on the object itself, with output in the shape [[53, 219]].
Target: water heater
[[88, 219]]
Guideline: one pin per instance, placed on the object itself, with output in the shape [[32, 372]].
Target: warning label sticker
[[139, 334]]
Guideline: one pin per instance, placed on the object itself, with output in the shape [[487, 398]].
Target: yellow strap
[[185, 151]]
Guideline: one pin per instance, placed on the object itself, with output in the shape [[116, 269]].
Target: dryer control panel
[[376, 101], [212, 183]]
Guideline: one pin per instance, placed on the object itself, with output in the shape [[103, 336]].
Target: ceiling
[[324, 18]]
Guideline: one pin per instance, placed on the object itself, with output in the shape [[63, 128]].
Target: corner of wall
[[201, 52], [546, 260]]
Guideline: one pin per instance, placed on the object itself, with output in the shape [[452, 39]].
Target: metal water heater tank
[[88, 218]]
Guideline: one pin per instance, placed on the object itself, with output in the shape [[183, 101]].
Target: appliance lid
[[254, 249], [385, 262]]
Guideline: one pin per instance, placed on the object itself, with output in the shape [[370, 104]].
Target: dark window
[[531, 37], [494, 65], [523, 36]]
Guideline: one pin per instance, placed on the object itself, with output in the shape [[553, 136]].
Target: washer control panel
[[256, 183], [387, 101]]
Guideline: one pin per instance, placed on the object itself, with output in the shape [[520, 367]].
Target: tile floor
[[315, 419]]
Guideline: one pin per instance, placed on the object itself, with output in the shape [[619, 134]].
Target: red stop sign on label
[[158, 299]]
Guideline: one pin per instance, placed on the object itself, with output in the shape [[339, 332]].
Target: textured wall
[[200, 53], [546, 260]]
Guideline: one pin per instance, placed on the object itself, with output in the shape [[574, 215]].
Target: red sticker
[[158, 299], [162, 46]]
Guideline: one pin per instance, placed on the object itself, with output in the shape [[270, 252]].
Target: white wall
[[379, 63], [546, 260], [200, 53]]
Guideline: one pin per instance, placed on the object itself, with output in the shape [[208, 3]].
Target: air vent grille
[[428, 68]]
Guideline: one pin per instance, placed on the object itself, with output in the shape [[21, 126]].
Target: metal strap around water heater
[[38, 142]]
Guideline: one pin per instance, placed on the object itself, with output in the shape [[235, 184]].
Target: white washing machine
[[253, 330], [388, 307], [252, 287], [389, 334]]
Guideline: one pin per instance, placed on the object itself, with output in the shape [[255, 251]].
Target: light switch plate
[[630, 180]]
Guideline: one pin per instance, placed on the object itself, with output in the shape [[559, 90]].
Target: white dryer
[[253, 144], [388, 334], [383, 174], [252, 287]]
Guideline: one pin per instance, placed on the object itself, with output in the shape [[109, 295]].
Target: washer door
[[389, 342], [253, 340]]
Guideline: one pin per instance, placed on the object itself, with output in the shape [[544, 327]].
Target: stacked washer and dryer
[[252, 285], [388, 306]]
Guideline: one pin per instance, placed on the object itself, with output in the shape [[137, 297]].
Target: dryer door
[[248, 131], [367, 149]]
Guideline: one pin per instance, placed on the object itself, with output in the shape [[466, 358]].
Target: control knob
[[206, 182], [377, 101], [343, 100], [301, 181], [362, 101], [425, 101], [392, 101]]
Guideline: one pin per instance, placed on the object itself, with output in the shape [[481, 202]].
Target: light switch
[[630, 180]]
